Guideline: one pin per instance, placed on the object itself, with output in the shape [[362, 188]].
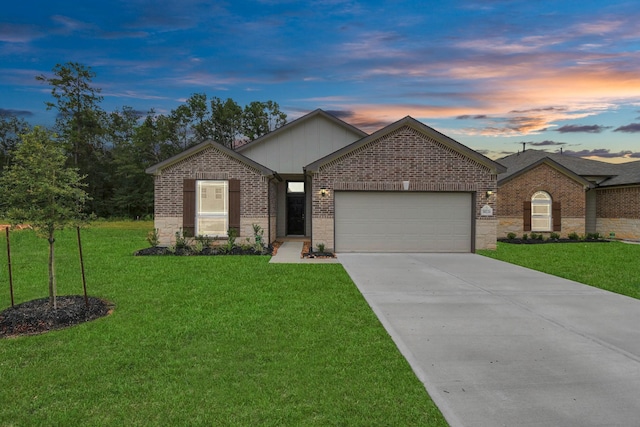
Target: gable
[[210, 163], [561, 186], [510, 175], [423, 136], [406, 154], [204, 147], [301, 142]]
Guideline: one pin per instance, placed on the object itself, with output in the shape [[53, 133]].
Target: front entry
[[295, 208], [295, 214]]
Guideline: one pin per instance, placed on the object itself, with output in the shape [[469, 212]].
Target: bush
[[511, 236], [182, 241], [593, 236], [232, 233], [153, 237], [205, 241], [534, 236], [554, 236], [574, 236], [258, 234], [525, 236], [320, 247]]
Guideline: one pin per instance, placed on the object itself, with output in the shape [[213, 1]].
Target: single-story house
[[550, 192], [404, 188]]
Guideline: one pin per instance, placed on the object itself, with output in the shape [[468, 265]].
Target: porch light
[[324, 192], [489, 193]]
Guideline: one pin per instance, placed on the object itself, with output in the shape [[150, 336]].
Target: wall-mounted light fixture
[[489, 193], [405, 185], [324, 192]]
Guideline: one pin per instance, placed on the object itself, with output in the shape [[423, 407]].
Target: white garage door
[[402, 222]]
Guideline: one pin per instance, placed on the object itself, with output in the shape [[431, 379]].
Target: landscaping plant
[[40, 190]]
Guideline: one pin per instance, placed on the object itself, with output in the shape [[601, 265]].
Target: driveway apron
[[500, 345]]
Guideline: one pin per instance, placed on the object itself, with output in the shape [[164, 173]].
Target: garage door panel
[[402, 222]]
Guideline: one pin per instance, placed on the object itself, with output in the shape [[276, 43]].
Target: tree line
[[112, 150]]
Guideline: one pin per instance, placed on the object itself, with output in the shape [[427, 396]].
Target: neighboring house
[[546, 192], [405, 188]]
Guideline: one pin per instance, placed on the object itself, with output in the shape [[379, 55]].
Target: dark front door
[[295, 214]]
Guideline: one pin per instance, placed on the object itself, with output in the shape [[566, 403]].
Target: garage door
[[402, 222]]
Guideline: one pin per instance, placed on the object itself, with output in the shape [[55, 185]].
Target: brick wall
[[622, 228], [563, 189], [402, 155], [618, 211], [209, 163], [622, 202]]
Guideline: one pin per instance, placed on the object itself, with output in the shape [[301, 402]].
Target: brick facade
[[570, 193], [621, 202], [403, 155], [210, 163], [618, 212]]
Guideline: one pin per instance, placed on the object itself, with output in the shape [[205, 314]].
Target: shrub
[[205, 241], [554, 236], [232, 233], [525, 236], [593, 236], [511, 236], [573, 236], [320, 247], [258, 232], [540, 237], [182, 241], [534, 236], [153, 237]]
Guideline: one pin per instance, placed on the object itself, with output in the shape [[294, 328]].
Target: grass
[[611, 266], [201, 341]]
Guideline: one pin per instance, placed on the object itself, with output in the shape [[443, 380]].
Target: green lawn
[[200, 341], [613, 266]]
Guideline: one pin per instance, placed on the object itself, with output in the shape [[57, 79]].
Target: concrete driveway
[[500, 345]]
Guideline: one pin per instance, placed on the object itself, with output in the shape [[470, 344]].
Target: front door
[[295, 214]]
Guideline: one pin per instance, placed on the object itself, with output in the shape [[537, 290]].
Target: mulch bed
[[275, 245], [237, 250], [537, 241], [307, 253], [36, 316]]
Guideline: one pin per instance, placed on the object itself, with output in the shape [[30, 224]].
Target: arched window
[[541, 212]]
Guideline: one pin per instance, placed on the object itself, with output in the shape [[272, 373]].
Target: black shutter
[[556, 214], [526, 215], [189, 207], [234, 204]]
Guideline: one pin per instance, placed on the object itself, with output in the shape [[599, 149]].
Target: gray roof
[[605, 174], [628, 173]]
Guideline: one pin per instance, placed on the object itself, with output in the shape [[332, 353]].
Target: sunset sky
[[491, 74]]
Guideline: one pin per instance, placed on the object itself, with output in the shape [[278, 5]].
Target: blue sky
[[489, 73]]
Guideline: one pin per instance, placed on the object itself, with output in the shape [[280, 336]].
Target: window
[[541, 211], [212, 208], [295, 187]]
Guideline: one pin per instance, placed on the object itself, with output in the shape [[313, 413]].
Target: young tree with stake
[[38, 189]]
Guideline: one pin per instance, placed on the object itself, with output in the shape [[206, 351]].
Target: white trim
[[541, 212], [218, 213]]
